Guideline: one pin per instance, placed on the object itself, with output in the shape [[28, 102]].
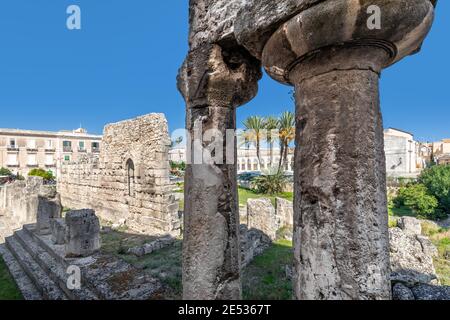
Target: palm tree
[[286, 129], [271, 124], [255, 127]]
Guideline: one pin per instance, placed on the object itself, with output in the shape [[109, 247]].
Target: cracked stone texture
[[49, 208], [405, 24], [412, 263], [340, 221], [261, 216], [147, 204], [217, 77], [82, 233]]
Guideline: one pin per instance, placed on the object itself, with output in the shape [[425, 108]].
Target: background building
[[403, 154], [24, 150]]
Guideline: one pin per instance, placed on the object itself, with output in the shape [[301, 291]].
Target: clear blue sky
[[124, 61]]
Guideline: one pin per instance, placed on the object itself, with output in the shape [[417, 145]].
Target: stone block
[[261, 216], [58, 229], [410, 225], [82, 233], [49, 207]]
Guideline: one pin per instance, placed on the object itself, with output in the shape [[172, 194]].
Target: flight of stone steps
[[40, 270]]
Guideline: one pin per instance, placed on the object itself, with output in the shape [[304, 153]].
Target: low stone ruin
[[129, 183], [152, 246], [413, 273], [82, 233], [49, 208], [43, 254]]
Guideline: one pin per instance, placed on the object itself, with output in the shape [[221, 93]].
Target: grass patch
[[265, 277], [8, 288], [441, 239], [245, 194], [400, 211]]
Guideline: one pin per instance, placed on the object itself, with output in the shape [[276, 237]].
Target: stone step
[[109, 278], [25, 285], [53, 267], [46, 286]]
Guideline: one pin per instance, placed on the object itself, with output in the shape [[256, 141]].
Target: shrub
[[270, 183], [5, 172], [437, 181], [46, 175], [417, 198]]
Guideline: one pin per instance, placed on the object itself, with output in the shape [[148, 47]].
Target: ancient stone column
[[216, 78], [333, 54]]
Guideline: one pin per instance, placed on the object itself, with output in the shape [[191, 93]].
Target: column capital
[[344, 24]]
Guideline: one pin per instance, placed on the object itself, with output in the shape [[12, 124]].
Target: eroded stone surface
[[261, 216], [58, 230], [130, 181], [49, 208], [412, 263], [82, 233]]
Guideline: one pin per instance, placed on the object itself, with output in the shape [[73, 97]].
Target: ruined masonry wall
[[146, 204]]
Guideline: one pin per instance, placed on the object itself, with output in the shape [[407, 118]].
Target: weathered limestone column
[[334, 60], [216, 78]]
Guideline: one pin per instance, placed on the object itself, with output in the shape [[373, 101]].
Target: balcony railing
[[12, 148], [95, 150], [50, 150], [12, 165], [50, 165], [82, 150], [33, 150], [32, 165], [67, 149]]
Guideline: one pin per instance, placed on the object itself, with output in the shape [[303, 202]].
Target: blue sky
[[124, 62]]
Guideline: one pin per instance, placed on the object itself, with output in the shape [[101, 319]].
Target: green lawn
[[265, 277], [245, 194], [8, 288]]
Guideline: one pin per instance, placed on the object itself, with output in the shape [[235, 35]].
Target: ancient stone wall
[[20, 199], [129, 182]]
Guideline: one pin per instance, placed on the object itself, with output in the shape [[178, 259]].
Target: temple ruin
[[129, 183], [326, 50]]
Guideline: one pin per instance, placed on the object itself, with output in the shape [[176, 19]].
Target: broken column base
[[82, 233]]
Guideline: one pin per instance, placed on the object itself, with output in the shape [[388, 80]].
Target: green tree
[[46, 175], [271, 183], [5, 172], [254, 126], [417, 198], [437, 181], [286, 129], [271, 124]]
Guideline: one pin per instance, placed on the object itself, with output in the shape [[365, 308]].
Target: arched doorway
[[130, 177]]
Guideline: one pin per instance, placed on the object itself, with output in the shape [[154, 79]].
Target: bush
[[417, 198], [270, 184], [437, 181], [46, 175], [5, 172]]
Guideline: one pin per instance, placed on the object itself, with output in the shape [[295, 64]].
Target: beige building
[[24, 150], [248, 160]]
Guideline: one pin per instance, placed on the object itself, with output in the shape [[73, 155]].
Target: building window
[[95, 146], [12, 159], [130, 177], [67, 146], [32, 160], [66, 158], [12, 143], [49, 160], [81, 146], [49, 144]]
